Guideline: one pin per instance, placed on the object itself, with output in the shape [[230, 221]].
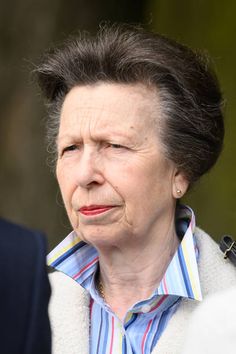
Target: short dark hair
[[191, 102]]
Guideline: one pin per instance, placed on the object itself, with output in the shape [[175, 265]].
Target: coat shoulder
[[216, 273]]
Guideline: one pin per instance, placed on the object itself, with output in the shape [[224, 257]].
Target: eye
[[69, 148], [116, 146]]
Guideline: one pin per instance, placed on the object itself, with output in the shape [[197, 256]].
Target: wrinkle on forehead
[[93, 109]]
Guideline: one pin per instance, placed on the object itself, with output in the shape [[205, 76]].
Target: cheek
[[120, 176], [149, 183], [66, 187], [139, 174], [65, 183], [129, 184]]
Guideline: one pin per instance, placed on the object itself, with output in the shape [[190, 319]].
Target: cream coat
[[218, 335], [69, 305]]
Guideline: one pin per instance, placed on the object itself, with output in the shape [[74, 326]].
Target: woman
[[135, 120]]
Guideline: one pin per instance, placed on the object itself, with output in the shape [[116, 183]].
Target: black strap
[[228, 247]]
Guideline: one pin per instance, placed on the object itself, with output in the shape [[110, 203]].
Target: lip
[[95, 209]]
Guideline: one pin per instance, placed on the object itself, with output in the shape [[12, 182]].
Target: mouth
[[95, 209]]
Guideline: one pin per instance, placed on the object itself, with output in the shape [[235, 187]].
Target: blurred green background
[[28, 190]]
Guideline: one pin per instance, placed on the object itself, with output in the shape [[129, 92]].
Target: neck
[[131, 274]]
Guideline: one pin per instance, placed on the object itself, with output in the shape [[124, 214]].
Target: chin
[[101, 237]]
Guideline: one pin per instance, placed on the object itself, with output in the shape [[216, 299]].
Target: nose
[[89, 170]]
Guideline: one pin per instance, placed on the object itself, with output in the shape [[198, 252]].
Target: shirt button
[[145, 308]]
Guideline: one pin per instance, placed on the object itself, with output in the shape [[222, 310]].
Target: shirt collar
[[79, 261]]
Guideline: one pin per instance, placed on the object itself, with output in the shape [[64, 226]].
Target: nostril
[[93, 183]]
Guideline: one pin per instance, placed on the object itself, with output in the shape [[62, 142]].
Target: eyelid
[[70, 147]]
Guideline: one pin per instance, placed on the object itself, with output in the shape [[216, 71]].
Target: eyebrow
[[97, 136]]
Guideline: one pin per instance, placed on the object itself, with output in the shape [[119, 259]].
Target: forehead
[[106, 105]]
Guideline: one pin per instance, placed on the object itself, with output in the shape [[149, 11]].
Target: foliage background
[[28, 191]]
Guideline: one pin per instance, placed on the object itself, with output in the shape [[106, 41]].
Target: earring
[[179, 192]]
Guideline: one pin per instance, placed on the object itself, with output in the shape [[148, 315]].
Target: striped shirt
[[146, 320]]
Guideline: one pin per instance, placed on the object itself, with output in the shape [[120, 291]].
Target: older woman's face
[[115, 181]]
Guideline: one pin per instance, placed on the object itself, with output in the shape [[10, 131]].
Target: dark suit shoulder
[[19, 239], [24, 291], [14, 229]]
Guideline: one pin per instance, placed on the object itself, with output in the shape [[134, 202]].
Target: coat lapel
[[175, 334], [69, 314]]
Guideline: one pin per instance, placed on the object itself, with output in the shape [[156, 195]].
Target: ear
[[180, 184]]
